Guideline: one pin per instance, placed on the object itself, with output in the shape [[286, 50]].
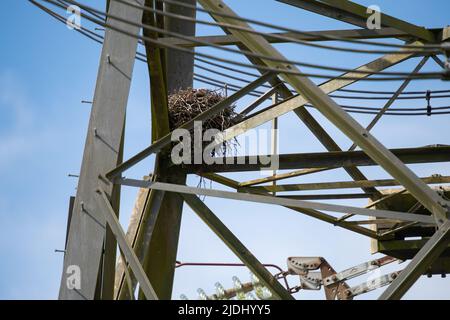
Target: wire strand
[[224, 60], [275, 36], [243, 52], [232, 87], [308, 33]]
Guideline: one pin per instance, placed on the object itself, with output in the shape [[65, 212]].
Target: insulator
[[202, 295], [240, 295], [183, 297], [250, 296], [220, 291], [261, 291]]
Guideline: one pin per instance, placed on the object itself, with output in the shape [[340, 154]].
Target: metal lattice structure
[[166, 29]]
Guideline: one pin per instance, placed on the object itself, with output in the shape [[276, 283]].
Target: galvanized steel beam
[[320, 160], [167, 139], [232, 242], [333, 112], [275, 200], [356, 14], [132, 259], [87, 231], [419, 264]]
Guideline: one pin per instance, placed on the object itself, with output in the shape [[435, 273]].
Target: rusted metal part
[[358, 270], [310, 280], [373, 284], [334, 283], [335, 291]]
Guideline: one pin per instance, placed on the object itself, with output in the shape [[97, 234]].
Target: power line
[[295, 31], [430, 75], [275, 36]]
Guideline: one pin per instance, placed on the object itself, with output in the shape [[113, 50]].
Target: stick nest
[[185, 105]]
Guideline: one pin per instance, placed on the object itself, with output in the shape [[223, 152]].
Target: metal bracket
[[302, 265], [373, 284], [358, 270], [334, 282], [311, 281]]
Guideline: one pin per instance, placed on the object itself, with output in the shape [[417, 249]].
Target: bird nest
[[185, 105]]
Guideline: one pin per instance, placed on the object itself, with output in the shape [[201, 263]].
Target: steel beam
[[327, 196], [303, 114], [327, 11], [140, 230], [132, 259], [393, 98], [257, 102], [227, 40], [282, 176], [275, 200], [323, 159], [167, 139], [309, 212], [386, 20], [419, 264], [299, 102], [345, 184], [333, 112], [354, 13], [161, 235], [86, 240], [237, 247]]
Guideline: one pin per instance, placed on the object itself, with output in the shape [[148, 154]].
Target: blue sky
[[45, 72]]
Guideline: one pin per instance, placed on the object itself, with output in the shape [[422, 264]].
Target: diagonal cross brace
[[333, 112], [167, 139], [125, 247], [357, 14], [419, 264], [237, 247], [291, 203]]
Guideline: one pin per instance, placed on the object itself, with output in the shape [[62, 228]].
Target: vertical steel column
[[159, 263], [274, 139], [86, 239]]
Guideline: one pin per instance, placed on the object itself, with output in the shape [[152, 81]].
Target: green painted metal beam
[[386, 20], [335, 159], [333, 112], [88, 232], [167, 139], [345, 184], [357, 14], [132, 259], [227, 40], [419, 264], [309, 212]]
